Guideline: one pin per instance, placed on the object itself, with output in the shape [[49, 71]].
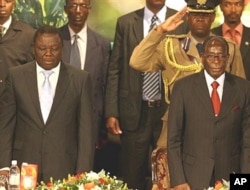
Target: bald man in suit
[[63, 143], [207, 142]]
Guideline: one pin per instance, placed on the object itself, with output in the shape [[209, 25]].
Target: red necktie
[[215, 98]]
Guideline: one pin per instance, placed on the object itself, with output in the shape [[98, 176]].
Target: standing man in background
[[209, 123], [93, 53], [46, 114], [130, 111], [178, 56], [233, 29], [16, 40], [93, 57]]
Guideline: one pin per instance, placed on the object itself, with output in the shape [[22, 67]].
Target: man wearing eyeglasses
[[93, 51], [179, 55], [234, 29], [209, 123]]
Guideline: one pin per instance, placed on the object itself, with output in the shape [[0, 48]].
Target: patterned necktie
[[1, 31], [75, 58], [46, 96], [199, 48], [151, 81], [153, 22], [215, 98]]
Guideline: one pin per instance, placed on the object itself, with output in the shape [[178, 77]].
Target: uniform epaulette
[[176, 36]]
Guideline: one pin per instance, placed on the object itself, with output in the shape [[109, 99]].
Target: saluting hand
[[171, 23]]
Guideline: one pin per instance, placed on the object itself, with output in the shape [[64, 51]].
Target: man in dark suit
[[63, 143], [130, 114], [206, 143], [94, 52], [15, 40], [233, 28]]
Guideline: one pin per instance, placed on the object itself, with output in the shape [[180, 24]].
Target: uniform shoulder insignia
[[176, 36]]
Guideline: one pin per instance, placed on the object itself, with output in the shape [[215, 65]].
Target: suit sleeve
[[86, 140], [7, 123], [245, 158], [175, 130]]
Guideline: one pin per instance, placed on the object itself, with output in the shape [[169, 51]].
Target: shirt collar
[[210, 79], [161, 14], [226, 28], [56, 69], [6, 25], [81, 34]]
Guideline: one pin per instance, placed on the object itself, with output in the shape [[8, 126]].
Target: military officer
[[178, 55]]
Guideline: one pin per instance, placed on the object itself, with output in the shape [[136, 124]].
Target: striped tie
[[153, 22], [151, 81]]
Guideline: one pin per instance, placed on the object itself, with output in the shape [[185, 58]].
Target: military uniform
[[176, 57]]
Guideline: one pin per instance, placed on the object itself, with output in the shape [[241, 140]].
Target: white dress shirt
[[220, 80], [53, 78], [82, 43]]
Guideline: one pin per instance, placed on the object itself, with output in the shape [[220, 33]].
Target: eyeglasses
[[81, 6], [211, 57]]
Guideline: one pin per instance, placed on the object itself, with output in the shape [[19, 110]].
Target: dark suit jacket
[[199, 142], [97, 60], [62, 146], [15, 47], [124, 85], [244, 47]]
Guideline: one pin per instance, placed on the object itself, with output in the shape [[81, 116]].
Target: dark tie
[[1, 31], [75, 58], [215, 98], [199, 48], [151, 81], [46, 96], [153, 22]]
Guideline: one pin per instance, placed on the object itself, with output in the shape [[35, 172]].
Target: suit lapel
[[31, 80], [245, 42], [228, 95], [66, 44], [138, 25], [201, 91], [61, 88], [200, 88], [92, 51]]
